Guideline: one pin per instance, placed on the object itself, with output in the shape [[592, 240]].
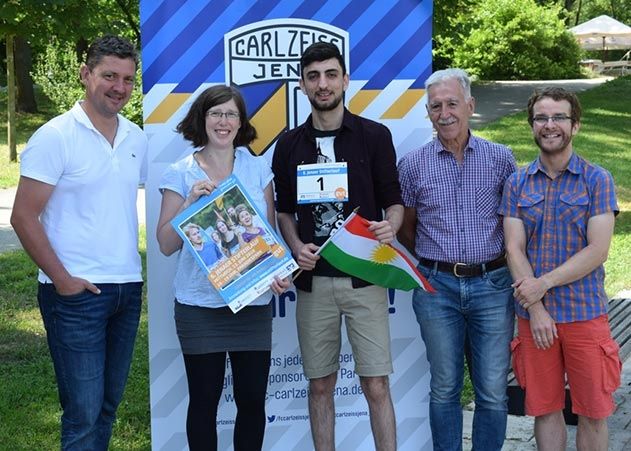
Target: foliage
[[517, 39], [75, 22], [26, 124], [69, 20], [57, 73], [582, 11], [451, 26]]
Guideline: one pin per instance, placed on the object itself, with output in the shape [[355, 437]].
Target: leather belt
[[464, 269]]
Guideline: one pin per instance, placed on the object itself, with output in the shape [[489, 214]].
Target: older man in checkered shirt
[[451, 189]]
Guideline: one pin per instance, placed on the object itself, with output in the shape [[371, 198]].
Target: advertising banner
[[188, 46], [245, 273]]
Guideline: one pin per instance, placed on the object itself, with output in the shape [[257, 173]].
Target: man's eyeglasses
[[230, 115], [557, 118]]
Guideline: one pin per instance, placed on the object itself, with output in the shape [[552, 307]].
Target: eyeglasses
[[557, 118], [230, 115]]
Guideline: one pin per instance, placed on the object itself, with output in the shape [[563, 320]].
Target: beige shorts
[[319, 318]]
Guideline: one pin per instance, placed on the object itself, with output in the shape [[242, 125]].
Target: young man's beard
[[325, 107], [565, 142]]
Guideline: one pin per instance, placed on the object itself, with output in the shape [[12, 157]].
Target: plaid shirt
[[456, 204], [555, 215]]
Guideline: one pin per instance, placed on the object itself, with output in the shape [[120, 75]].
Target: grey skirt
[[204, 330]]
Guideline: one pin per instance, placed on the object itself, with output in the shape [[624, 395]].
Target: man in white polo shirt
[[75, 214]]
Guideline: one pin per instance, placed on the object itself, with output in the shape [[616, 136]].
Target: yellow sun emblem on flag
[[382, 253]]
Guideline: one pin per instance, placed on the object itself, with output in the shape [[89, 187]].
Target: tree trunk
[[13, 156], [568, 4], [578, 12], [23, 66]]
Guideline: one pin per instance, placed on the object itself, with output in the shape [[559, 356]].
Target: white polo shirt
[[90, 218]]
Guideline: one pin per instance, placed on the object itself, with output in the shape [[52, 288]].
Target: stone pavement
[[520, 430]]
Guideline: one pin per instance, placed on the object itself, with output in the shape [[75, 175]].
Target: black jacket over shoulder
[[373, 183]]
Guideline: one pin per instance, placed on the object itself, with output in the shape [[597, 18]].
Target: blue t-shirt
[[209, 254]]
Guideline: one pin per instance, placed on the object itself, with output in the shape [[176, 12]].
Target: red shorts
[[584, 352]]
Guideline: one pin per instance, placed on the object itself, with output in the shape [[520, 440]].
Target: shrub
[[515, 39]]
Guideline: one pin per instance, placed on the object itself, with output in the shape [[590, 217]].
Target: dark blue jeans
[[482, 308], [91, 340]]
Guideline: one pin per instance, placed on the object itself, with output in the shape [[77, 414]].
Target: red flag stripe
[[359, 226]]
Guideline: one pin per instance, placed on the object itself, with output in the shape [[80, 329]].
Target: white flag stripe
[[361, 247]]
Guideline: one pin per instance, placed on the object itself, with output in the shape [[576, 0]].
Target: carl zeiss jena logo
[[270, 50]]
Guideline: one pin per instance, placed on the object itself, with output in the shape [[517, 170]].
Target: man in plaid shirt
[[558, 222], [452, 188]]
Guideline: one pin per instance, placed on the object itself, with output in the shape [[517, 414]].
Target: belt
[[463, 269]]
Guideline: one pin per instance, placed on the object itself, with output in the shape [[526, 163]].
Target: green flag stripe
[[388, 276]]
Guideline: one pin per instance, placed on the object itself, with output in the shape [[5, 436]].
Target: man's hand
[[74, 285], [383, 231], [542, 326], [306, 256], [529, 290]]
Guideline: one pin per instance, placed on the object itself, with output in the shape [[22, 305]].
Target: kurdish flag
[[354, 250]]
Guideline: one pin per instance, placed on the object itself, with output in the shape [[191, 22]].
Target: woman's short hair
[[193, 126]]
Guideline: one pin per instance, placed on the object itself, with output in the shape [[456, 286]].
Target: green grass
[[29, 409]]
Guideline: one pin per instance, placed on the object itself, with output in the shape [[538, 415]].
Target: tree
[[583, 10], [11, 100], [23, 65], [32, 23], [450, 27]]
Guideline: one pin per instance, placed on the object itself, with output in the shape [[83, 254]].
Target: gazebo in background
[[604, 33]]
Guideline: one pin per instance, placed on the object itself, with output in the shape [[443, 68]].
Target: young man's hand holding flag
[[354, 250]]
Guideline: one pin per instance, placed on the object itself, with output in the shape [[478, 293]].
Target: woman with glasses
[[218, 128]]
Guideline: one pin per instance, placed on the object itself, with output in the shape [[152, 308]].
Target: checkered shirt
[[555, 213], [456, 204]]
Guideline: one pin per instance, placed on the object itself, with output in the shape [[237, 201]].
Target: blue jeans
[[91, 340], [481, 308]]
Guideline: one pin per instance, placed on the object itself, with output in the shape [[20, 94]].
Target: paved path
[[520, 430], [8, 239], [500, 98]]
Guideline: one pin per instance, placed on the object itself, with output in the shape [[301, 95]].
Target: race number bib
[[322, 182]]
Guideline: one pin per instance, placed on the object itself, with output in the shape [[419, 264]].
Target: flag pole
[[351, 216]]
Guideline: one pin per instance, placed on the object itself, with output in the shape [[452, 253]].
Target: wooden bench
[[597, 66], [616, 66], [620, 323]]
